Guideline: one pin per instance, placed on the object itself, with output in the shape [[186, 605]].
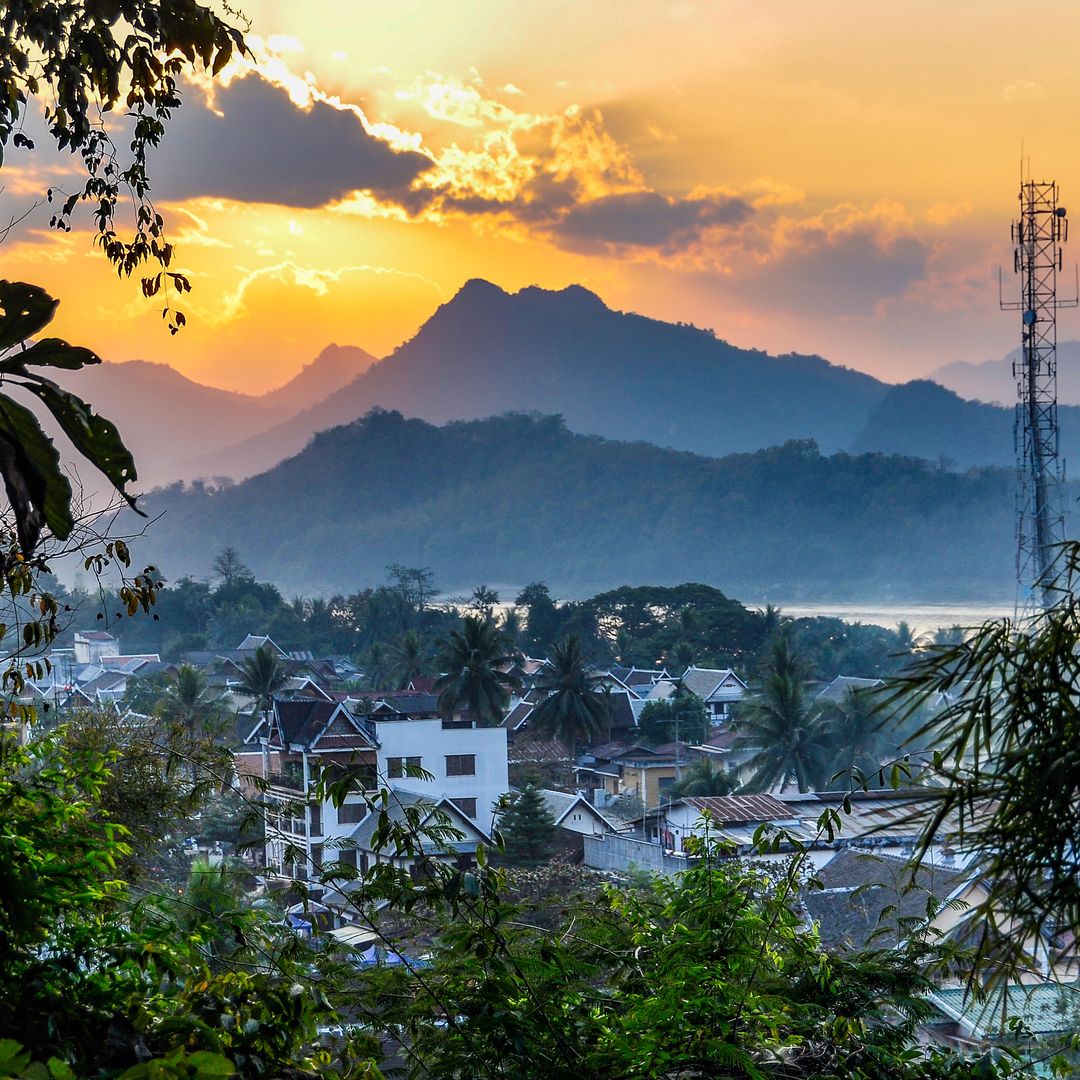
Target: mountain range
[[487, 352], [608, 373], [993, 380], [519, 498], [615, 374], [166, 417]]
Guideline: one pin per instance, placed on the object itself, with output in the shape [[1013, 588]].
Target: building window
[[395, 766], [348, 857], [316, 819], [466, 806], [460, 764], [351, 813]]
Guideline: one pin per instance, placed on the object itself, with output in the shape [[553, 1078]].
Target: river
[[922, 618]]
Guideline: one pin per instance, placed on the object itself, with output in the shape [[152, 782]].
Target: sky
[[834, 178]]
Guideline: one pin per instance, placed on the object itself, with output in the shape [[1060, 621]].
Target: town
[[535, 541], [605, 770]]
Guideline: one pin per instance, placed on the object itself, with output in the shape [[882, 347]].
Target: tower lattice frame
[[1037, 237]]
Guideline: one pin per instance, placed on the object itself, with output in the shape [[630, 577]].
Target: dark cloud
[[265, 149], [646, 219], [847, 274]]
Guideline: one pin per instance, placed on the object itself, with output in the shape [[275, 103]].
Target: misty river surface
[[921, 617]]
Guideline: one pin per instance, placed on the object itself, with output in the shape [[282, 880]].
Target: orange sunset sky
[[834, 177]]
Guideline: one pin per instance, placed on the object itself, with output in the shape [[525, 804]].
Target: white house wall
[[580, 820], [432, 743]]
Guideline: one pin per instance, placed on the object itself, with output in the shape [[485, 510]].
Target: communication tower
[[1037, 237]]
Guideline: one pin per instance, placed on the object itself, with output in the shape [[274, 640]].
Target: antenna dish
[[1029, 318]]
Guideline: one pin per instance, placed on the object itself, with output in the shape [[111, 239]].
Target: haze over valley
[[704, 502]]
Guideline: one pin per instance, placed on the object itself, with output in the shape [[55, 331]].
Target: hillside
[[519, 498], [162, 414], [336, 366], [925, 420], [993, 380], [166, 417], [610, 373]]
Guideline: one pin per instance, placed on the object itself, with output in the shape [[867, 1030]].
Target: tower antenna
[[1037, 237]]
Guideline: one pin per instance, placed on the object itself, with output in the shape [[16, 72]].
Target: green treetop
[[528, 828]]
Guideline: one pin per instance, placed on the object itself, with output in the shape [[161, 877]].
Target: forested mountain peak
[[487, 351], [336, 366], [519, 497]]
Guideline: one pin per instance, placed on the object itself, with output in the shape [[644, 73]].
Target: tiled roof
[[560, 803], [860, 887], [703, 681], [721, 740], [660, 690], [517, 715], [131, 663], [212, 657], [399, 802], [608, 750], [602, 770], [537, 752], [1046, 1008], [302, 719], [622, 715], [114, 682], [257, 641], [408, 702]]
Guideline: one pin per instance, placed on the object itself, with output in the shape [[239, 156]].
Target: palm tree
[[188, 699], [512, 627], [484, 601], [789, 733], [407, 659], [575, 709], [377, 666], [702, 778], [205, 911], [684, 654], [783, 660], [261, 677], [859, 735], [949, 635], [772, 619], [907, 639], [472, 660]]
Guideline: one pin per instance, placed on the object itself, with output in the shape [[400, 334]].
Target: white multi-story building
[[299, 738], [467, 764]]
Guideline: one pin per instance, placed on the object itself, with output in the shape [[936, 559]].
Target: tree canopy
[[83, 61], [998, 726], [473, 661], [573, 707]]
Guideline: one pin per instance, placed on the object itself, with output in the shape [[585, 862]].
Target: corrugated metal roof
[[1046, 1009], [732, 809]]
